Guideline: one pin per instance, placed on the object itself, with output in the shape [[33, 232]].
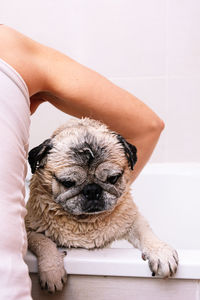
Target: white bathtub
[[168, 195]]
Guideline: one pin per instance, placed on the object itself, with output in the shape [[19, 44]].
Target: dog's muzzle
[[93, 198]]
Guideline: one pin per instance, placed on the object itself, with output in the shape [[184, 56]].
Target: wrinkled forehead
[[88, 150]]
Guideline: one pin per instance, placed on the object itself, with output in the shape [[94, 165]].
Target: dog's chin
[[86, 216], [97, 212], [82, 212]]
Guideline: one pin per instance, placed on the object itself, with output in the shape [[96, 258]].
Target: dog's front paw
[[52, 273], [163, 259]]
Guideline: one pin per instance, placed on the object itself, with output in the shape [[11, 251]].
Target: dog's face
[[85, 166]]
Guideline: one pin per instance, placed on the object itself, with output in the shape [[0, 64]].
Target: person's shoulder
[[22, 53], [11, 41]]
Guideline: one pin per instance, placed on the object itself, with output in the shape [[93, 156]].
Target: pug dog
[[80, 197]]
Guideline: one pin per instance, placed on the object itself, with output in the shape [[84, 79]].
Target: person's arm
[[75, 89]]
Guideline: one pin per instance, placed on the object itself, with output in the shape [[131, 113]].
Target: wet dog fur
[[80, 197]]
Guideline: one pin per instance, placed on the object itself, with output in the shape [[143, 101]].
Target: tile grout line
[[167, 74]]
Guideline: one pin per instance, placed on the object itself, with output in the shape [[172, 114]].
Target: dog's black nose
[[94, 201], [92, 191]]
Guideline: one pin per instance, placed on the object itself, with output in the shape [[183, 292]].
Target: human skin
[[75, 89]]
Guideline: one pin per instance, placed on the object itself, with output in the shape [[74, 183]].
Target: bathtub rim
[[119, 262]]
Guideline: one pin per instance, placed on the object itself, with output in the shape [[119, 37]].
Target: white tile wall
[[44, 122], [183, 119], [183, 47], [123, 38], [151, 48]]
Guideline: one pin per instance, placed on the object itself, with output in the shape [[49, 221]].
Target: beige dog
[[80, 197]]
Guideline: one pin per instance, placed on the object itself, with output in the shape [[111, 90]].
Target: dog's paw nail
[[144, 256], [64, 279], [64, 253], [153, 274], [46, 286]]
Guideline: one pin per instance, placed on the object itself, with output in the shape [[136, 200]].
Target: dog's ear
[[37, 156], [129, 150]]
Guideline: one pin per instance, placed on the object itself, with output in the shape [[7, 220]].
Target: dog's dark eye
[[67, 183], [113, 179]]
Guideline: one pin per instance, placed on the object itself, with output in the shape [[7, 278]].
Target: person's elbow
[[156, 126]]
